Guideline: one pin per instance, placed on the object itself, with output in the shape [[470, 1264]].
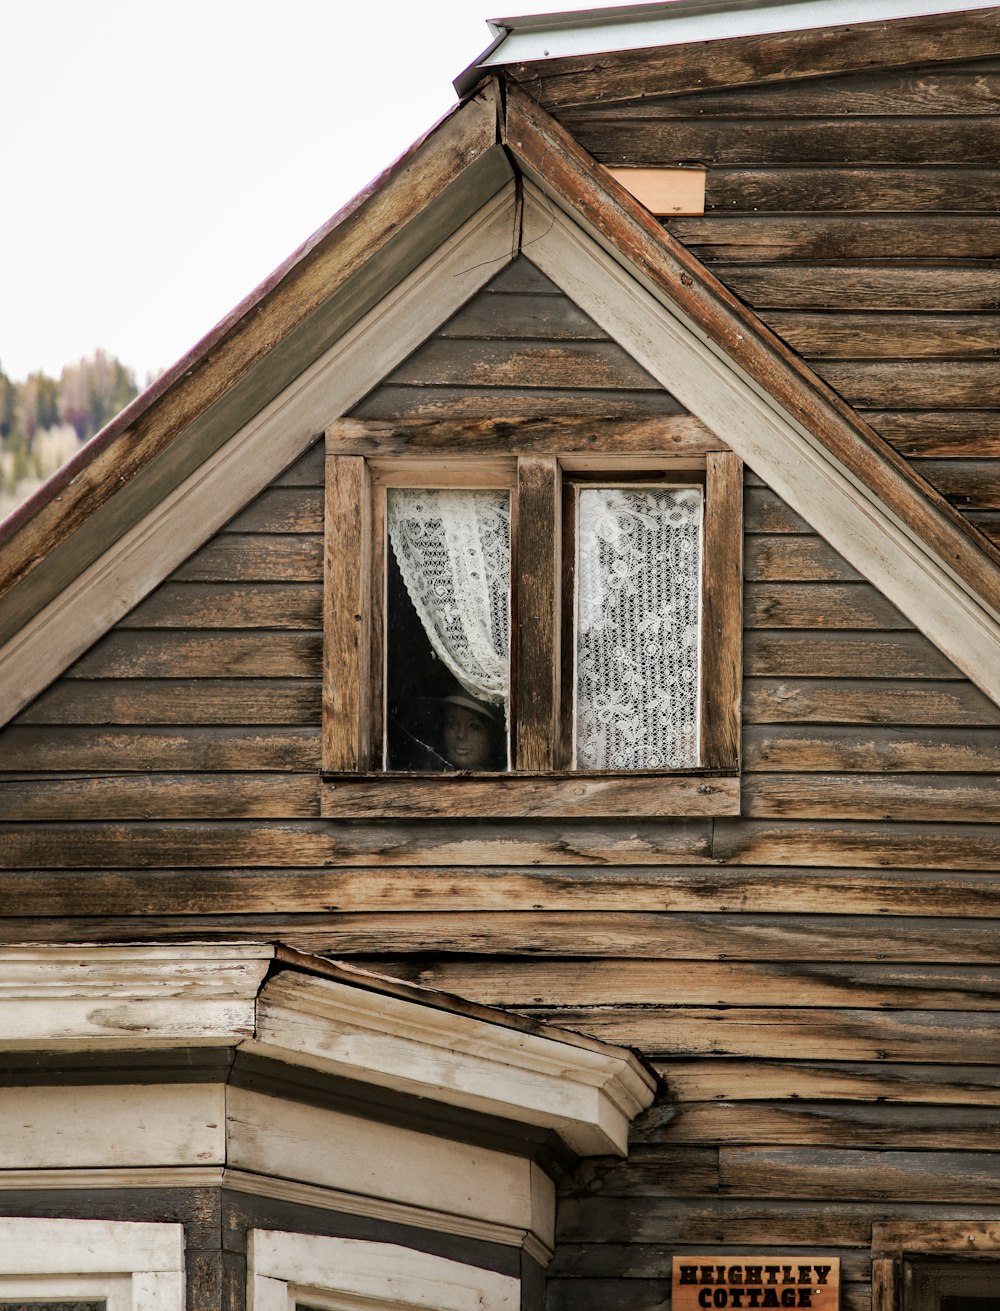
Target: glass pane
[[447, 629], [638, 601]]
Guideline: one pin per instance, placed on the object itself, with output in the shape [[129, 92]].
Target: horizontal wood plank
[[818, 1124], [871, 750], [587, 365], [669, 435], [652, 140], [922, 797], [866, 701], [887, 336], [527, 317], [863, 287], [971, 88], [789, 558], [223, 605], [148, 846], [736, 1222], [950, 1085], [870, 190], [255, 557], [760, 59], [161, 796], [178, 701], [858, 236], [628, 1261], [939, 434], [241, 654], [528, 796], [301, 901], [969, 1177], [849, 1035], [924, 845], [818, 605], [892, 384], [86, 748], [282, 510], [844, 655], [469, 403], [682, 983]]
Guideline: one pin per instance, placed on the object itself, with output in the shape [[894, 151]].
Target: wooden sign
[[750, 1283]]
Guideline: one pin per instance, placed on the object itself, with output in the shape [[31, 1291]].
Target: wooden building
[[236, 1072]]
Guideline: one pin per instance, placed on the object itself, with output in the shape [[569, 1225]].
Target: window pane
[[638, 600], [447, 629]]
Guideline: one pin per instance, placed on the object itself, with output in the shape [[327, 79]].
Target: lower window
[[951, 1286]]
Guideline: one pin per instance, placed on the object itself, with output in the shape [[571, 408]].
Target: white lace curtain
[[637, 640], [453, 551]]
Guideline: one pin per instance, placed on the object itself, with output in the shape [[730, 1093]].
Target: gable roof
[[496, 177]]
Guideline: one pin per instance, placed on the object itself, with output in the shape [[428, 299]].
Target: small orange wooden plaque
[[752, 1283]]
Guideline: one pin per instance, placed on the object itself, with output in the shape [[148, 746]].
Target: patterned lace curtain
[[637, 640], [453, 551]]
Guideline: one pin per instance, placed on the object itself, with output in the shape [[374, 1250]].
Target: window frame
[[126, 1264], [533, 458], [287, 1269], [911, 1259]]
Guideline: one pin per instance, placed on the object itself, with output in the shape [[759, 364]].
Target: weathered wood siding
[[856, 214], [819, 980]]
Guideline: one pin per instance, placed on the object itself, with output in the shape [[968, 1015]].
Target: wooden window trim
[[894, 1241], [286, 1270], [532, 458]]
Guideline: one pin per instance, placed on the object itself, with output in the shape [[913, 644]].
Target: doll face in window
[[468, 741]]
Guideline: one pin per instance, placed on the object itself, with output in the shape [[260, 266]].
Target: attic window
[[550, 610]]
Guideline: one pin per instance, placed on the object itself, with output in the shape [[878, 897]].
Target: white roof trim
[[771, 441], [681, 22]]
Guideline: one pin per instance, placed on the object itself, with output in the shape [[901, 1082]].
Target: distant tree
[[93, 391], [38, 405], [8, 406]]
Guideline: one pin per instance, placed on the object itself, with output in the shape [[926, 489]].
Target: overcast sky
[[159, 160]]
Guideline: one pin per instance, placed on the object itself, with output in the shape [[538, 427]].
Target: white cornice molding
[[588, 1093], [127, 998], [133, 998]]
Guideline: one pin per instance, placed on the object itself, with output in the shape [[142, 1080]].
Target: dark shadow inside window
[[429, 716]]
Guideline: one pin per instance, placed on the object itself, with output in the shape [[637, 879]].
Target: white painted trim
[[108, 1124], [282, 1190], [277, 1138], [379, 1208], [539, 37], [122, 998], [129, 996], [251, 459], [133, 1266], [345, 1272], [587, 1092], [771, 442]]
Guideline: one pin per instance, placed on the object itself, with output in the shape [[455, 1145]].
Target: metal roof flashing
[[582, 32]]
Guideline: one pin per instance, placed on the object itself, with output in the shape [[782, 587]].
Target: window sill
[[528, 796]]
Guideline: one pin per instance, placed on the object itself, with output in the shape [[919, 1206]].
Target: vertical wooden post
[[722, 621], [347, 615], [885, 1291], [537, 611]]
